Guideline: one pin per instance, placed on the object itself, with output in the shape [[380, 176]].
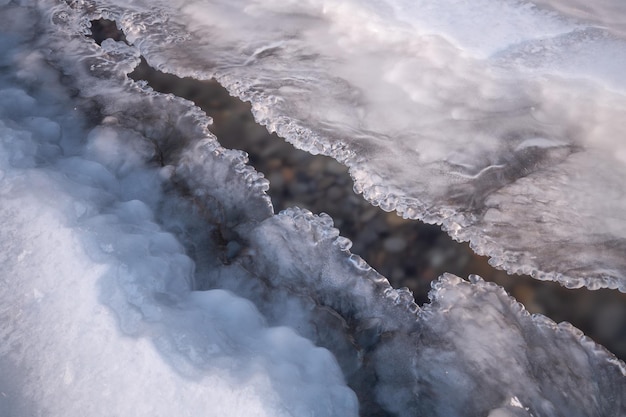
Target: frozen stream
[[143, 271]]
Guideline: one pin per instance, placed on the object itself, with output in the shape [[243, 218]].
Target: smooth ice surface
[[144, 273], [499, 119]]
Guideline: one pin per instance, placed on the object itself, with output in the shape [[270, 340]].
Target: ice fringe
[[499, 135]]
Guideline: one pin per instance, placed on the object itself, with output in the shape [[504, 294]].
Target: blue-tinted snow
[[96, 303]]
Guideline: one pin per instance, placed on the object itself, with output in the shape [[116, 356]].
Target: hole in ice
[[407, 252], [102, 29]]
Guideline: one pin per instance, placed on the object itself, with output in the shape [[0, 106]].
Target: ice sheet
[[500, 120]]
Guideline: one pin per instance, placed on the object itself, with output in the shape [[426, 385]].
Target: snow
[[143, 271], [98, 313]]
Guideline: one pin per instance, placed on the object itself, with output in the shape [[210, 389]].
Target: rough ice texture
[[470, 352], [143, 272], [500, 120]]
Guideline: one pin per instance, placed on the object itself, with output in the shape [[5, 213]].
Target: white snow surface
[[144, 273]]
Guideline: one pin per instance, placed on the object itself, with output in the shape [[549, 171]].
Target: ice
[[446, 112], [604, 13], [470, 351], [143, 271]]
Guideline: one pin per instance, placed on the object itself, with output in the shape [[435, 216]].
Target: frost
[[143, 271]]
